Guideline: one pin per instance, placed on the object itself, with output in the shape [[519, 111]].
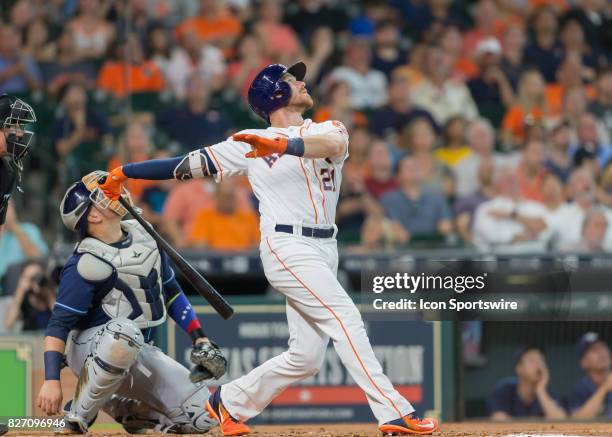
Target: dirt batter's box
[[412, 354]]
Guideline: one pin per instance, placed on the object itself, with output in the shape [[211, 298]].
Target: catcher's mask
[[82, 195], [14, 114]]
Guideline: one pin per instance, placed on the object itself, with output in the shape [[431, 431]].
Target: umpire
[[14, 145]]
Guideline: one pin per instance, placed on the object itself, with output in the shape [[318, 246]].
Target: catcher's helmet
[[14, 113], [81, 196], [268, 92]]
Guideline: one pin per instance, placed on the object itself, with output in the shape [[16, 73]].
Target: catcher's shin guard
[[114, 350]]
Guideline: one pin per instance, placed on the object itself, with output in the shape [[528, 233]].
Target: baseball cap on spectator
[[585, 342], [487, 46], [559, 125], [362, 27], [522, 350]]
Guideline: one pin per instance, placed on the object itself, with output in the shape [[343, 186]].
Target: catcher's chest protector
[[137, 293]]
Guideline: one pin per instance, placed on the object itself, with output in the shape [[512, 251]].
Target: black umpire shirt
[[8, 181]]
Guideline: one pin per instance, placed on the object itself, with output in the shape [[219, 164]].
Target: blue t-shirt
[[581, 393], [505, 398], [420, 216]]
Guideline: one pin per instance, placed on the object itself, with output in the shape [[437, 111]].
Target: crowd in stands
[[527, 393], [483, 123]]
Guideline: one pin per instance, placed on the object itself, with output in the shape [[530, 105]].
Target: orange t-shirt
[[211, 29], [324, 113], [531, 189], [233, 232], [145, 77], [515, 120], [555, 93]]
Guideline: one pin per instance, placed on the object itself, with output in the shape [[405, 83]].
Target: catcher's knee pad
[[114, 350]]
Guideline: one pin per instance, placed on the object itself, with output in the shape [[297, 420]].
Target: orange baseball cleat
[[410, 425], [228, 425]]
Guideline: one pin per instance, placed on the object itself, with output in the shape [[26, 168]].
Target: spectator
[[544, 52], [604, 186], [21, 14], [214, 24], [380, 232], [601, 106], [354, 205], [251, 59], [441, 96], [339, 107], [159, 50], [526, 394], [128, 72], [67, 67], [581, 193], [193, 124], [19, 72], [368, 86], [82, 136], [312, 14], [135, 146], [422, 211], [465, 207], [360, 145], [194, 57], [487, 23], [480, 137], [92, 34], [418, 138], [591, 397], [569, 75], [453, 150], [574, 44], [280, 40], [589, 141], [390, 119], [451, 43], [593, 231], [530, 107], [19, 241], [414, 71], [513, 49], [387, 51], [531, 171], [319, 52], [558, 159], [225, 226], [37, 41], [561, 215], [33, 299], [507, 222], [490, 89], [380, 179]]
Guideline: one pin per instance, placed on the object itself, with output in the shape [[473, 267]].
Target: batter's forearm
[[324, 146]]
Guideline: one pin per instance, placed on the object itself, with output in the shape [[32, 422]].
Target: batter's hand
[[262, 146], [112, 186], [209, 361]]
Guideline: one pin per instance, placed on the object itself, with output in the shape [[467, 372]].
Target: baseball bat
[[201, 285]]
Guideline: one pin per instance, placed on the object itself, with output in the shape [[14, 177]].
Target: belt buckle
[[309, 231]]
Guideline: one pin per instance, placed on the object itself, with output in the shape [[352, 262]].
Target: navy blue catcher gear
[[14, 113], [268, 92]]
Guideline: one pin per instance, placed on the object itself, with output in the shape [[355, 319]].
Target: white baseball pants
[[318, 308]]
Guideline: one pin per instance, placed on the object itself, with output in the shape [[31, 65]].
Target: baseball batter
[[114, 290], [294, 167]]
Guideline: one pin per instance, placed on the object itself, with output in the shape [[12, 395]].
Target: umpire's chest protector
[[137, 292]]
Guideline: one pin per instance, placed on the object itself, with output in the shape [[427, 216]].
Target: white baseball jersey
[[291, 190]]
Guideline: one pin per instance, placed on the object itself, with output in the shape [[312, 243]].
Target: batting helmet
[[268, 92], [14, 113]]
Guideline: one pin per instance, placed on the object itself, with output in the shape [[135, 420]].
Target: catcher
[[114, 290]]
